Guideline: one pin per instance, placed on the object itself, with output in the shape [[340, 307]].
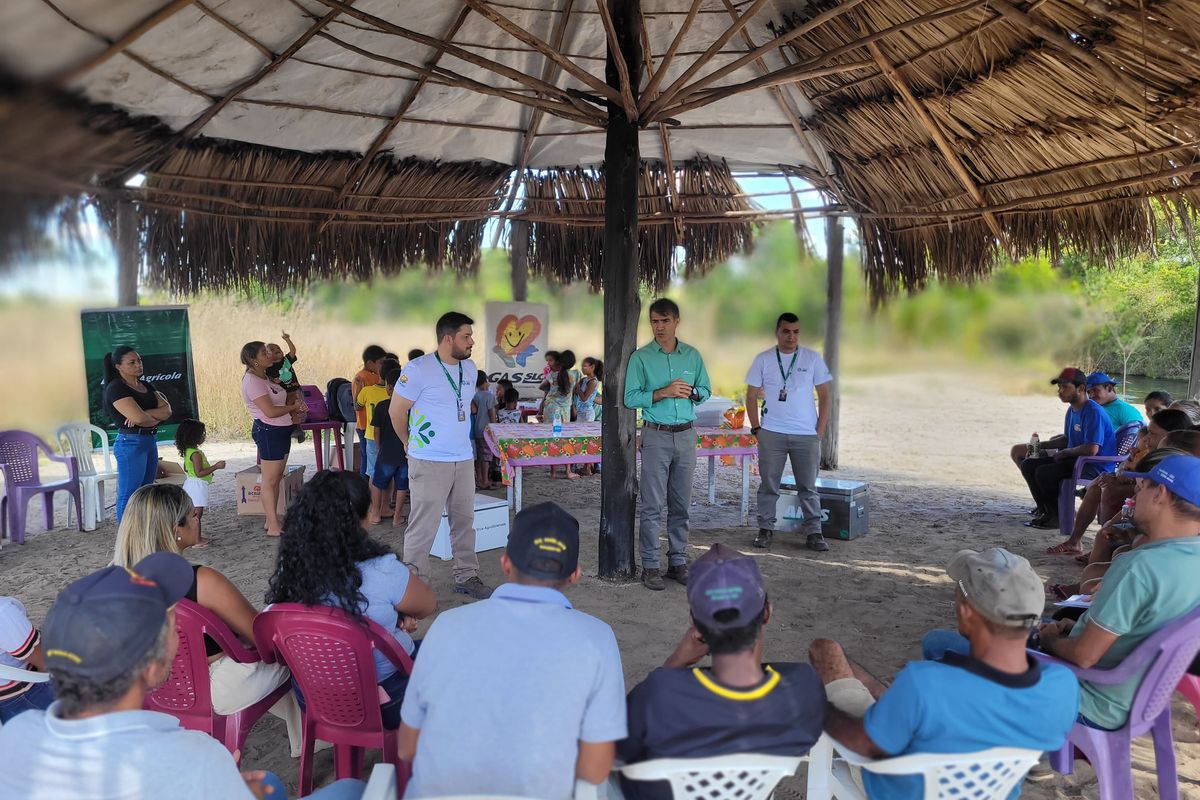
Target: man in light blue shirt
[[665, 380], [519, 694]]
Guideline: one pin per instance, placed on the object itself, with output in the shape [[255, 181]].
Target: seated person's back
[[513, 694], [737, 706]]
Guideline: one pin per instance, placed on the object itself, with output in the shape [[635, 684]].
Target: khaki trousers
[[236, 686], [438, 486]]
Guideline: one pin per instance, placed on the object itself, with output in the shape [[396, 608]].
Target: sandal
[[1063, 549]]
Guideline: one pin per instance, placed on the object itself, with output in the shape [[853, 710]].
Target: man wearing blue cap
[[740, 704], [1103, 389], [519, 694], [1148, 587], [110, 640]]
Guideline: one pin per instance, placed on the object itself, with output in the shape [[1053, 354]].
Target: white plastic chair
[[8, 673], [75, 440], [982, 775], [741, 776]]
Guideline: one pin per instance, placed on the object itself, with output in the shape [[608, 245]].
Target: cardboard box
[[249, 490], [845, 508], [491, 527], [170, 472]]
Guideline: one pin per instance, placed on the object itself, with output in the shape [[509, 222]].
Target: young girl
[[587, 393], [558, 398], [511, 413], [190, 434]]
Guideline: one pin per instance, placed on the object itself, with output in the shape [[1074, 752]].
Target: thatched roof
[[290, 139]]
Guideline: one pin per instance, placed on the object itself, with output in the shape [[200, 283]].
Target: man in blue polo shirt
[[994, 695], [1087, 432], [1103, 389], [519, 694], [740, 704]]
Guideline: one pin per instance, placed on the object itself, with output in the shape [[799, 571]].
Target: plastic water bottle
[[1035, 446], [1127, 509], [557, 425]]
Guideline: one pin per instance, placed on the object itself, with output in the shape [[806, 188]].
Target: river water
[[1136, 387]]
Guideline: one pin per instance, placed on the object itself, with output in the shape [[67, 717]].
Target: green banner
[[162, 337]]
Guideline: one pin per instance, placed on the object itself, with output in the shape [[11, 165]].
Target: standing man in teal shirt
[[666, 379]]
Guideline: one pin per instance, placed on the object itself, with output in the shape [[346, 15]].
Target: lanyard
[[791, 366], [455, 387]]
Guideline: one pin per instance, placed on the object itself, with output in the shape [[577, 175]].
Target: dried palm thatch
[[705, 212]]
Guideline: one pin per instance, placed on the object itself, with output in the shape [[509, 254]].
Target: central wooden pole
[[518, 238], [622, 162], [835, 241], [129, 253]]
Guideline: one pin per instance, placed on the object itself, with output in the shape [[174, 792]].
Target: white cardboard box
[[491, 527], [249, 490]]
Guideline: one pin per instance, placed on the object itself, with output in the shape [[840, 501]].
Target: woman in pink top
[[273, 417]]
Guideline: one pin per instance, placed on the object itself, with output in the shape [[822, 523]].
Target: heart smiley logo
[[515, 337]]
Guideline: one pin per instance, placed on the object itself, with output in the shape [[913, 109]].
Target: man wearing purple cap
[[740, 704], [109, 640], [1087, 431]]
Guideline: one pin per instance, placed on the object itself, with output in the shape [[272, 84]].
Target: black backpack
[[339, 399]]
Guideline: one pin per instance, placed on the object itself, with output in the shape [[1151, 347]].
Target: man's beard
[[460, 355]]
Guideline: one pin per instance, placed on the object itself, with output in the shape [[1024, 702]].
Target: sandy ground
[[934, 448]]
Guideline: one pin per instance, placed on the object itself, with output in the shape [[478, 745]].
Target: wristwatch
[[754, 431]]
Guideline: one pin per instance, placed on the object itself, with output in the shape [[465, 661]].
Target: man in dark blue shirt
[[1087, 432], [740, 704]]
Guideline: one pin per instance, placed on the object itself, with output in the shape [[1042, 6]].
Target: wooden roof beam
[[664, 135], [628, 103], [656, 76], [124, 41], [943, 144]]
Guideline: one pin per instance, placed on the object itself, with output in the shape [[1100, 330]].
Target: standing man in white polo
[[430, 411], [791, 426]]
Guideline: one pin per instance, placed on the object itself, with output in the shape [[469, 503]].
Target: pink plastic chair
[[187, 695], [1189, 687], [19, 461], [330, 655]]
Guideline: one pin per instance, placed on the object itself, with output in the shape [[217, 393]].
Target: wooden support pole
[[1194, 375], [129, 254], [835, 243], [518, 252], [618, 481]]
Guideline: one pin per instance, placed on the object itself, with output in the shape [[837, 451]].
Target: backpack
[[339, 399]]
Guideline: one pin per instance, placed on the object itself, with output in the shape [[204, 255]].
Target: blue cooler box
[[845, 508]]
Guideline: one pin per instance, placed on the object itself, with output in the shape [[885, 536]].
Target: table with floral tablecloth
[[520, 445]]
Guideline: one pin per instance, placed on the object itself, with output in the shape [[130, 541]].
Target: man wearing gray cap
[[740, 704], [993, 695], [109, 640]]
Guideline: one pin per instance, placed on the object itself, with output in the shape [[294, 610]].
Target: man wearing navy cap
[[1103, 389], [1087, 431], [740, 704], [519, 694], [1143, 590], [110, 640]]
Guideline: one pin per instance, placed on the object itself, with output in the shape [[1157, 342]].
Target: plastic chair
[[1189, 687], [1165, 656], [75, 440], [19, 460], [1126, 436], [330, 656], [740, 776], [983, 775], [187, 695]]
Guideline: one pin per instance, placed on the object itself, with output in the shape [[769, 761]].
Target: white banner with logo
[[515, 341]]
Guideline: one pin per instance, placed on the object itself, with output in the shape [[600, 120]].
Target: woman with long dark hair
[[327, 558], [137, 409], [273, 418]]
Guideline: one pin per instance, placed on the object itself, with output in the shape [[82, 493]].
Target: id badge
[[462, 417], [783, 395]]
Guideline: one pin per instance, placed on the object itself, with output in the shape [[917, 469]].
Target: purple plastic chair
[[1165, 656], [330, 655], [19, 460], [187, 695], [1126, 436]]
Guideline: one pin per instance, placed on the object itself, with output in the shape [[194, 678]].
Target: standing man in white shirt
[[430, 411], [783, 379]]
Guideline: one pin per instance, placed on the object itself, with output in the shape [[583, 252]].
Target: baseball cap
[[544, 542], [1070, 375], [1002, 587], [101, 626], [1101, 378], [1180, 474], [723, 579]]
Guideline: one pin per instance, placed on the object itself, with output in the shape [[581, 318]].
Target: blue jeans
[[39, 696], [937, 643], [137, 465], [371, 449], [345, 789]]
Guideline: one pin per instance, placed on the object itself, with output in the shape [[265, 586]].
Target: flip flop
[[1062, 549]]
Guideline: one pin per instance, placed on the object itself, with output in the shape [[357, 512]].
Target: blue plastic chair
[[1165, 656], [1126, 436], [22, 481]]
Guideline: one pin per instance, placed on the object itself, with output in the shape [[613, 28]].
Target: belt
[[668, 428], [138, 431]]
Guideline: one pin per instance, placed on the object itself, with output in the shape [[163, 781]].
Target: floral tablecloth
[[525, 445]]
